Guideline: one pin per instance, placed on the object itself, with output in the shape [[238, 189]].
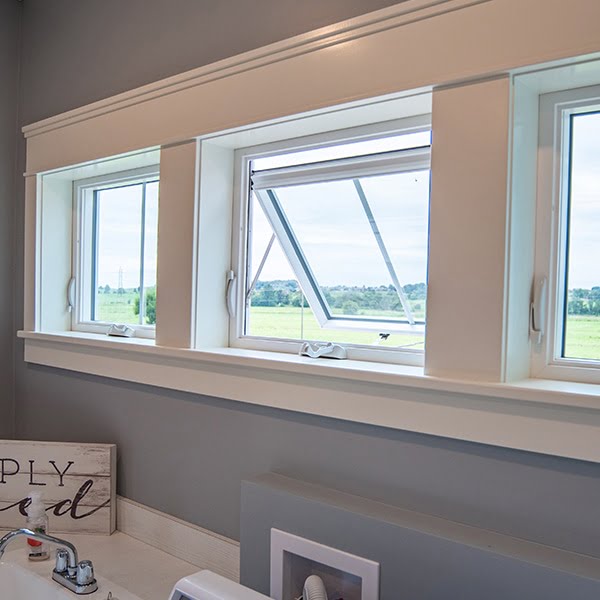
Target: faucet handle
[[62, 558], [85, 573]]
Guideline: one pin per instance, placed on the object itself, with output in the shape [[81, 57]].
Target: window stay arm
[[263, 260], [384, 253], [282, 229]]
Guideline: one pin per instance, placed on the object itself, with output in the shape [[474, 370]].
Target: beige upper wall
[[322, 69], [78, 52]]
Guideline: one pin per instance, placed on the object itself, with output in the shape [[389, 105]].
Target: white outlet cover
[[282, 542]]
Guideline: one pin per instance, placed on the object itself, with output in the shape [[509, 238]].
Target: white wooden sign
[[78, 483]]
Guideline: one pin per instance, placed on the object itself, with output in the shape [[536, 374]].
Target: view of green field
[[123, 306], [582, 328], [117, 308], [277, 312], [582, 337], [297, 323], [582, 334]]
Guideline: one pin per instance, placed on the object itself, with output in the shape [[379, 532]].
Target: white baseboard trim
[[198, 546]]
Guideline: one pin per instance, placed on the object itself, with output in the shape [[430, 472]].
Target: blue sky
[[584, 252], [119, 234], [341, 248], [334, 233], [331, 225], [329, 221]]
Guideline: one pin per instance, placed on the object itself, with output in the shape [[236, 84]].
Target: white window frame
[[556, 110], [79, 292], [403, 160]]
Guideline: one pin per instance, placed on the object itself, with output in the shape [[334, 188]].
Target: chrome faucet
[[69, 571]]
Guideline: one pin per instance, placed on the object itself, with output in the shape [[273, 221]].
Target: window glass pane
[[117, 248], [121, 215], [150, 253], [334, 234], [400, 205], [582, 320], [388, 144], [337, 236], [278, 308], [276, 305]]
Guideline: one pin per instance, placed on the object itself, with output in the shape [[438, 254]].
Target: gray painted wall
[[187, 454], [419, 556], [76, 52], [10, 20]]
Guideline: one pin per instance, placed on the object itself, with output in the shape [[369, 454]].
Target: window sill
[[550, 417]]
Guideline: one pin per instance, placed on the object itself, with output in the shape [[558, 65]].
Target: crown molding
[[399, 15]]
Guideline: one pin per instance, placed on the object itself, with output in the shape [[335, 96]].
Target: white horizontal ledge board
[[537, 419], [406, 47], [77, 483]]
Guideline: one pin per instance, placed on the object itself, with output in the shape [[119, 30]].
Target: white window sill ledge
[[550, 417]]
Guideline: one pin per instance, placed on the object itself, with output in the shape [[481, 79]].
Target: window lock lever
[[323, 350], [71, 294], [230, 293], [537, 311]]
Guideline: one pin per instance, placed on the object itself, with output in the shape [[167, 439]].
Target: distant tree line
[[106, 289], [584, 302], [350, 299]]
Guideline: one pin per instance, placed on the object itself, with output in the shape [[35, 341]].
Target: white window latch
[[323, 350], [230, 293], [71, 294], [537, 311]]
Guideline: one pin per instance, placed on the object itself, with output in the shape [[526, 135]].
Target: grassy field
[[582, 338], [582, 332], [582, 335], [297, 324], [117, 308]]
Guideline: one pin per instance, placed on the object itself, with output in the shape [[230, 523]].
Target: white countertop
[[128, 568]]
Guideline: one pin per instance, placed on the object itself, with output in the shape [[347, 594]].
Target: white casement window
[[115, 250], [566, 307], [333, 244]]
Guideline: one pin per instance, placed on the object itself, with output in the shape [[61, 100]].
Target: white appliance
[[206, 585]]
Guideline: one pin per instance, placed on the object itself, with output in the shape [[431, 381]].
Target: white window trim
[[83, 190], [401, 160], [554, 124], [548, 417], [332, 67]]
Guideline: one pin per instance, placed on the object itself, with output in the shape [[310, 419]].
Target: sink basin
[[17, 583]]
